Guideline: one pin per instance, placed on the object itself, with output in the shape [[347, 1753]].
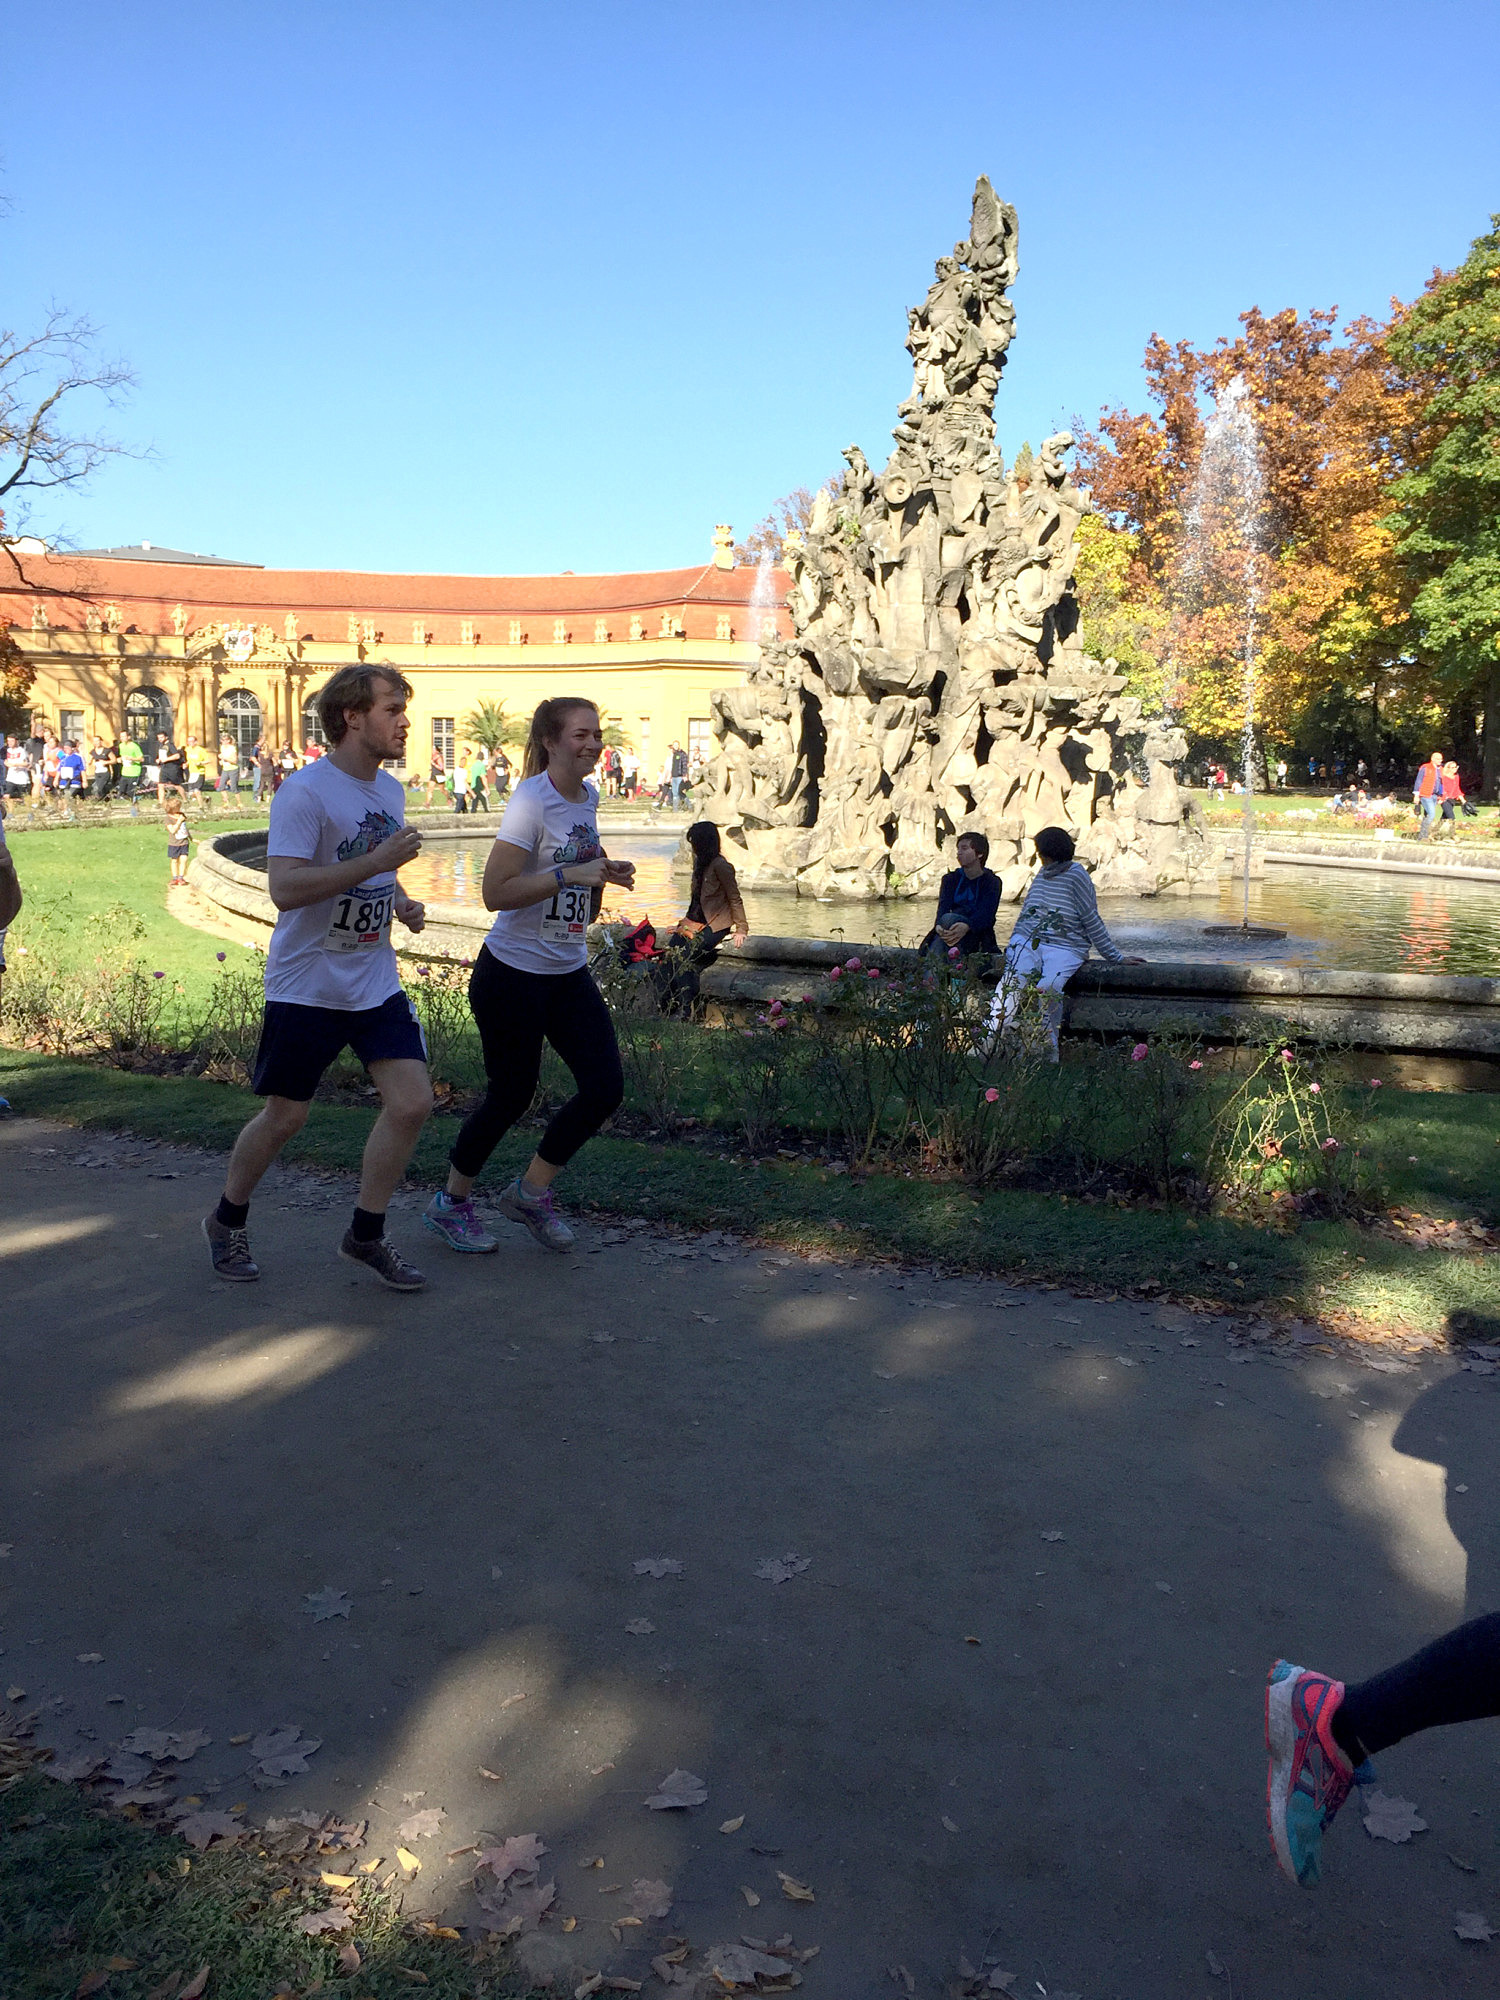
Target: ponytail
[[546, 726]]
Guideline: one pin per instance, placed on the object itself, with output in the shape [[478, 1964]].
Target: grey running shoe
[[230, 1250], [538, 1213], [385, 1260], [458, 1225]]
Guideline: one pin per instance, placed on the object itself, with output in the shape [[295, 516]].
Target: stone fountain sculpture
[[936, 680]]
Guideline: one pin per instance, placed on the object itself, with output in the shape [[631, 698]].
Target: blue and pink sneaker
[[458, 1225], [1310, 1776]]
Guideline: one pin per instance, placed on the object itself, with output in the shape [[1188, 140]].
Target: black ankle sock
[[233, 1214], [367, 1228]]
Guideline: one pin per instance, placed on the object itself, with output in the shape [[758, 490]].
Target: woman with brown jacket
[[715, 909]]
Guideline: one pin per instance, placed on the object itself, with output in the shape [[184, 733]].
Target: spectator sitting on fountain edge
[[968, 900]]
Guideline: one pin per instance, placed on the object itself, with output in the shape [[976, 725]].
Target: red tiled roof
[[323, 600]]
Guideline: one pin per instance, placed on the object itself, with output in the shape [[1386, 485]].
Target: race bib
[[566, 918], [361, 919]]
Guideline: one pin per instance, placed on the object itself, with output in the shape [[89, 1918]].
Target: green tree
[[488, 725], [1447, 531], [1118, 622]]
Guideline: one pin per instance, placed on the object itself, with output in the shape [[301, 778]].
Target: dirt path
[[1010, 1703]]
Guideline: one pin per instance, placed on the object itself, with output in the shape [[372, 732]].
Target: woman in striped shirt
[[1058, 923]]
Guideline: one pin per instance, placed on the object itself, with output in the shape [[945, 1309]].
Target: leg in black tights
[[1455, 1679], [516, 1012]]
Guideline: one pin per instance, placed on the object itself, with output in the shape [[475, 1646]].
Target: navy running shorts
[[298, 1043]]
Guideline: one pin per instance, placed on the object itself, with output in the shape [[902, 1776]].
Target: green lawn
[[75, 878]]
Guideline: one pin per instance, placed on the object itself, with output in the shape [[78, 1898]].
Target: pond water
[[1334, 917]]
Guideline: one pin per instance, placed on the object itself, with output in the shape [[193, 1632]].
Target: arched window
[[148, 713], [240, 718], [312, 724]]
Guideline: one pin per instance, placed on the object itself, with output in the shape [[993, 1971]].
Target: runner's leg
[[278, 1120], [1455, 1679], [508, 1011], [405, 1106], [580, 1029]]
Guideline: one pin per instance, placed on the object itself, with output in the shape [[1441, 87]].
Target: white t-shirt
[[337, 953], [552, 832]]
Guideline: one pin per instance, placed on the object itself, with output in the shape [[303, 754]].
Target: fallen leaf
[[530, 1902], [1166, 1588], [658, 1566], [639, 1627], [90, 1659], [951, 1825], [91, 1983], [495, 1777], [520, 1855], [886, 1374], [602, 1339], [794, 1891], [458, 1853], [166, 1745], [1467, 1866], [349, 1958], [72, 1770], [184, 1866], [511, 1699], [421, 1825], [236, 1741], [1471, 1924], [408, 1861], [677, 1790], [438, 1931], [194, 1988], [283, 1752], [750, 1897], [778, 1569], [741, 1965], [327, 1603], [410, 1972], [1215, 1964], [1388, 1818], [1053, 1535], [331, 1881], [971, 1638], [708, 1319], [15, 1694], [649, 1900], [570, 1923], [202, 1829], [733, 1825], [318, 1921], [901, 1975], [670, 1974], [589, 1986]]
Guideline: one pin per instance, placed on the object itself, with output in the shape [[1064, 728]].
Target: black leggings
[[515, 1013], [1455, 1679]]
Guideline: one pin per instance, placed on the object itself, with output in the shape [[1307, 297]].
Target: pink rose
[[1375, 1083], [874, 972], [835, 971], [807, 999], [1139, 1053], [954, 953], [992, 1096], [1195, 1065], [1286, 1055], [775, 1006], [851, 965], [1315, 1088], [1329, 1146]]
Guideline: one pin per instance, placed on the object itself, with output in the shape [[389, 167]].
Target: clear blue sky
[[492, 287]]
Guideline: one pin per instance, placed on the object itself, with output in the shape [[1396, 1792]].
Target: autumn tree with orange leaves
[[1334, 419]]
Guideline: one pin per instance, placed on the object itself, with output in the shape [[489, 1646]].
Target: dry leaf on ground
[[520, 1855], [202, 1829], [658, 1566], [284, 1751], [649, 1899], [678, 1789], [639, 1627], [72, 1770], [408, 1861], [422, 1825], [327, 1603], [349, 1958], [793, 1890], [317, 1921], [163, 1745], [778, 1569], [1389, 1818], [1471, 1924], [750, 1897], [1053, 1535], [90, 1659], [742, 1965], [194, 1988], [733, 1825]]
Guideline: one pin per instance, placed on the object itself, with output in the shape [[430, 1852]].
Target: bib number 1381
[[566, 917], [360, 920]]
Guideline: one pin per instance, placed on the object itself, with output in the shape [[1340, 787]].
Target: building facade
[[129, 641]]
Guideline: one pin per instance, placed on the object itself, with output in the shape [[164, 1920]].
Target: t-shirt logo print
[[582, 844], [374, 828]]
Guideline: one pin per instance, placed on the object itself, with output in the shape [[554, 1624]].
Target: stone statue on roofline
[[936, 678]]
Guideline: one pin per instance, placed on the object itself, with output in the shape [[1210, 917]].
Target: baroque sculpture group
[[937, 679]]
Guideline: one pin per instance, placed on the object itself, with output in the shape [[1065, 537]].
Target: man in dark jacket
[[967, 903]]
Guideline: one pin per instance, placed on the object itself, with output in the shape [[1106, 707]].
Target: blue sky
[[483, 287]]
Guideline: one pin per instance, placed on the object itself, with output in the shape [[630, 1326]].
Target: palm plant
[[488, 725]]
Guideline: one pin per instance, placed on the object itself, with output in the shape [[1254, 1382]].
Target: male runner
[[335, 844]]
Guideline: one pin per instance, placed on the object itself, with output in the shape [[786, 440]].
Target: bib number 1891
[[360, 920], [566, 917]]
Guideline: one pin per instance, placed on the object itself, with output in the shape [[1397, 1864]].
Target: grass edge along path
[[1351, 1280], [95, 1899]]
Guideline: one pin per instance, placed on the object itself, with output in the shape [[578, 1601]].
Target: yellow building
[[135, 640]]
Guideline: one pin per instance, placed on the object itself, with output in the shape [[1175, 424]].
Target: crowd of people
[[48, 769]]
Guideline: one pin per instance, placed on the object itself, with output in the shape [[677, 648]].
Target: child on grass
[[178, 838]]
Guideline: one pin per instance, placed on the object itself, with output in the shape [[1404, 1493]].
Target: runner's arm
[[295, 883], [511, 884]]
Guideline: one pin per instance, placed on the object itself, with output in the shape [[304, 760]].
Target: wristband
[[560, 878]]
